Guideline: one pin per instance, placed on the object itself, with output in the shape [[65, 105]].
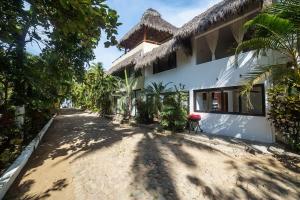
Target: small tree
[[156, 90], [95, 91], [277, 28], [145, 112], [126, 88], [174, 113]]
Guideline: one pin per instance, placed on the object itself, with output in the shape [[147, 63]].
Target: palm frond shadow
[[153, 173]]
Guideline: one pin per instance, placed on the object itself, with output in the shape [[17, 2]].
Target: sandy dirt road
[[85, 157]]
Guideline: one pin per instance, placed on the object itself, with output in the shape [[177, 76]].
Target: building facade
[[201, 56]]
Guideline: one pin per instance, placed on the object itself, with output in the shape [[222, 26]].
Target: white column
[[212, 41]]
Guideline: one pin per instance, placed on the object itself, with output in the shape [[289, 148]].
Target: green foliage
[[66, 31], [174, 113], [277, 31], [156, 90], [126, 90], [95, 91], [145, 112], [277, 28], [285, 114], [10, 139]]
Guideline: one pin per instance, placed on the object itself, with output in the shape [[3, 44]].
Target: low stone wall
[[9, 176]]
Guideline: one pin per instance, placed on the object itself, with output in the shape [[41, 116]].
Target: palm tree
[[276, 29], [156, 90], [95, 91], [126, 87]]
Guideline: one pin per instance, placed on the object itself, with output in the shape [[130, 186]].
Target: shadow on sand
[[77, 135]]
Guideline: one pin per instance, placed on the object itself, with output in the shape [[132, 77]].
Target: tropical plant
[[285, 115], [156, 90], [94, 92], [126, 88], [145, 113], [66, 31], [42, 22], [277, 33], [281, 35], [174, 112]]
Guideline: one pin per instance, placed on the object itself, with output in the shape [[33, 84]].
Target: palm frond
[[272, 24], [259, 44], [288, 9], [257, 74]]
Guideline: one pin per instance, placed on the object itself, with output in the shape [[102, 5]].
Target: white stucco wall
[[218, 73]]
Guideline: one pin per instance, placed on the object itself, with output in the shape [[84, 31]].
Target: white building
[[200, 55]]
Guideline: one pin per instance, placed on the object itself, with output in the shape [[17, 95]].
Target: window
[[229, 100], [255, 105], [165, 64], [138, 73]]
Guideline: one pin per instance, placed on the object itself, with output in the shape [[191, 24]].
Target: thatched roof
[[181, 40], [150, 19], [222, 11], [131, 60]]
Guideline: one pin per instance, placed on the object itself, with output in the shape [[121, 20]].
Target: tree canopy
[[66, 31]]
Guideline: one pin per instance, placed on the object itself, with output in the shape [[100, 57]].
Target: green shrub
[[284, 114], [144, 111], [174, 112]]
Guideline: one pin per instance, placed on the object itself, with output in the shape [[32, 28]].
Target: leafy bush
[[145, 112], [12, 138], [174, 113], [285, 115], [155, 91]]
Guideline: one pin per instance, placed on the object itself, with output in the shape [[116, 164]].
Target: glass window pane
[[202, 101], [216, 101], [231, 100], [253, 105]]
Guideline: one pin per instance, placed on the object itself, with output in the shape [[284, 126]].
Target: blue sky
[[177, 12]]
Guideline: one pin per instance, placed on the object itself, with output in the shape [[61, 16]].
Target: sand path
[[85, 157]]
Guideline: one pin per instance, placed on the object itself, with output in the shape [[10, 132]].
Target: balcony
[[144, 46]]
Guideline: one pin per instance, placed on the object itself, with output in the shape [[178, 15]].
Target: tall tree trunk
[[5, 93], [19, 80]]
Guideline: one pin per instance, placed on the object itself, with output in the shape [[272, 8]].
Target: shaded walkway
[[85, 157]]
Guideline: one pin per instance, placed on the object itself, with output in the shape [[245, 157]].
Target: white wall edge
[[9, 176]]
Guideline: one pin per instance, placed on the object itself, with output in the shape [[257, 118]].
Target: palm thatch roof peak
[[151, 19], [151, 12]]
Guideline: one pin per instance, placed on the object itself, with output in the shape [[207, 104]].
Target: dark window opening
[[165, 64], [202, 50], [226, 43]]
